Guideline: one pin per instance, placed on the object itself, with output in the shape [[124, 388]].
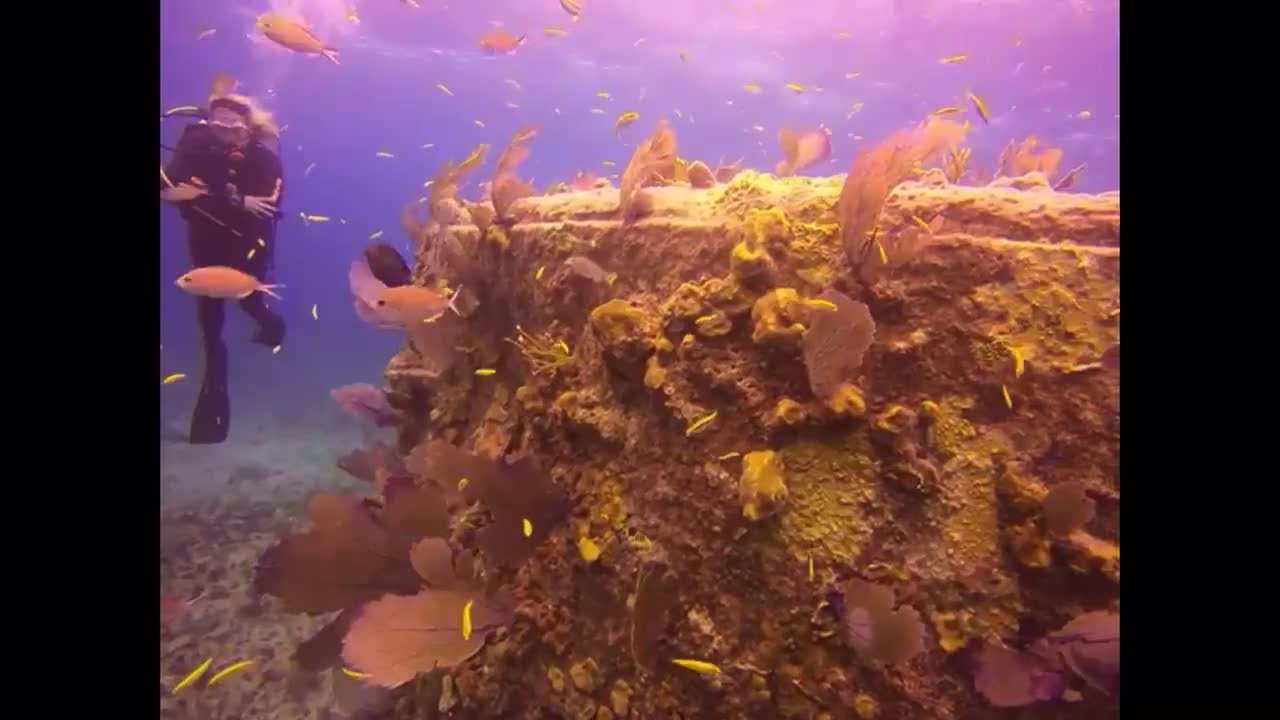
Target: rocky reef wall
[[717, 503]]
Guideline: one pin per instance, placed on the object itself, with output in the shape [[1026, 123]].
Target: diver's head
[[238, 119], [230, 120]]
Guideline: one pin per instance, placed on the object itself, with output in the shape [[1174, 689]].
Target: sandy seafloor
[[221, 506]]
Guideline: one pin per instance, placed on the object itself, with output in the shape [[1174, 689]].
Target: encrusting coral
[[762, 426]]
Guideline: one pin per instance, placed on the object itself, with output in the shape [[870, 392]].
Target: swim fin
[[211, 420]]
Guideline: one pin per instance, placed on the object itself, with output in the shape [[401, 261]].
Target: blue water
[[383, 97]]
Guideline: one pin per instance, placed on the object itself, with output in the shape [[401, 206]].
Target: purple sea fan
[[1012, 678], [1090, 647], [875, 629], [367, 403]]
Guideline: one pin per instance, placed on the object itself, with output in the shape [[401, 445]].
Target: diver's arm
[[275, 171], [176, 182]]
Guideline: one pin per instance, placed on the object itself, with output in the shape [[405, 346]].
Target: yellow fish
[[1019, 366], [1084, 115], [854, 109], [383, 154], [354, 674], [947, 110], [608, 163], [228, 670], [852, 75], [444, 89], [701, 666], [700, 423], [597, 111], [466, 620], [729, 455], [526, 527], [573, 7], [538, 275], [554, 31], [603, 94], [172, 378], [376, 235], [752, 87], [317, 218], [624, 120], [924, 225], [810, 568], [795, 87], [252, 252], [953, 59], [821, 304], [512, 83], [478, 123], [758, 128], [843, 34], [206, 33], [980, 106], [485, 372], [1008, 401], [314, 315], [193, 675], [512, 105]]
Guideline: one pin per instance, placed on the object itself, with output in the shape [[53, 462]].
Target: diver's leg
[[212, 417], [270, 330]]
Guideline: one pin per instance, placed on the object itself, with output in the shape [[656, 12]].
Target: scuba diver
[[227, 184]]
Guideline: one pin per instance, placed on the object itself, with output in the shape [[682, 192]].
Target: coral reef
[[763, 452]]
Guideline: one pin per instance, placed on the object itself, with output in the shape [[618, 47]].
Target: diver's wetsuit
[[231, 236]]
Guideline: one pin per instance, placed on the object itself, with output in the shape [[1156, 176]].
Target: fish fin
[[523, 36], [331, 54], [268, 288], [364, 284], [454, 299]]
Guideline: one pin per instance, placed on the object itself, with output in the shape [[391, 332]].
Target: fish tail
[[332, 54], [268, 288]]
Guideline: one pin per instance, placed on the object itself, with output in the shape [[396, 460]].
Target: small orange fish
[[223, 282], [501, 41], [294, 36]]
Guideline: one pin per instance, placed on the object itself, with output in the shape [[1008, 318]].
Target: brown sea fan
[[352, 552], [507, 188], [835, 343], [875, 172], [399, 636], [655, 155], [875, 629], [514, 491]]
